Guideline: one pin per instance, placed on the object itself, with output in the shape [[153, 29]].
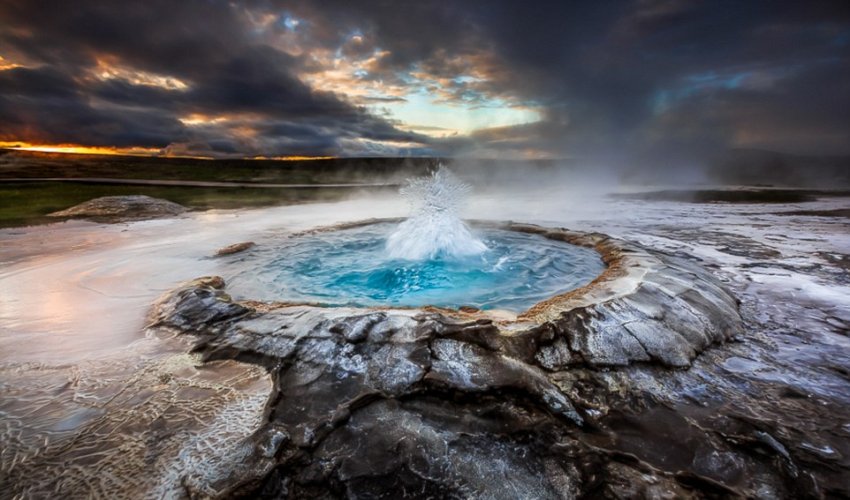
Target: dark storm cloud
[[56, 96], [670, 81], [48, 106], [603, 69]]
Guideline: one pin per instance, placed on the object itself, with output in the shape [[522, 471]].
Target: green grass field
[[24, 203], [27, 203]]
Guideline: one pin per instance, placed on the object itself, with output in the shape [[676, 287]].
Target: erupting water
[[432, 258], [434, 230]]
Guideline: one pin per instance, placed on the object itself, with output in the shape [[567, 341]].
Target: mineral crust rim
[[645, 306], [625, 266]]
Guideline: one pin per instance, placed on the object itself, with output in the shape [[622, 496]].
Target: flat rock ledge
[[434, 402], [122, 208]]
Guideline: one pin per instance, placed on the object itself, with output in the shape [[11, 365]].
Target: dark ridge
[[732, 195], [755, 166]]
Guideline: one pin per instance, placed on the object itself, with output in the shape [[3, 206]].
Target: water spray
[[434, 230]]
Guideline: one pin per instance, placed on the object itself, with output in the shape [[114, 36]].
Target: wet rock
[[357, 329], [122, 208], [234, 248], [405, 403], [380, 403], [201, 302], [556, 356], [627, 482], [721, 465], [646, 307]]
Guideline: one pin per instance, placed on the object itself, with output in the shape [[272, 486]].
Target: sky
[[609, 81]]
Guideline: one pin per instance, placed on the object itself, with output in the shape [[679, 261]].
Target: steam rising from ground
[[434, 229]]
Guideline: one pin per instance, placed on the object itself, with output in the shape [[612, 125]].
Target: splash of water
[[434, 230]]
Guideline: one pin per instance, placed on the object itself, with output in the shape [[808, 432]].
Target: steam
[[434, 229]]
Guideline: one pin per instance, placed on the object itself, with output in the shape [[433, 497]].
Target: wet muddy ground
[[87, 397]]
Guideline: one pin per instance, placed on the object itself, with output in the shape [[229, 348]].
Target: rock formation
[[122, 208], [392, 403]]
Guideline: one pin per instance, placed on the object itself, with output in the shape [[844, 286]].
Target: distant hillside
[[31, 164], [736, 167]]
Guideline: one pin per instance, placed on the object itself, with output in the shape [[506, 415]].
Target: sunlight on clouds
[[241, 125], [373, 147], [448, 95], [279, 30], [261, 21], [107, 70], [428, 130], [348, 77], [421, 112], [419, 100], [196, 119], [6, 64]]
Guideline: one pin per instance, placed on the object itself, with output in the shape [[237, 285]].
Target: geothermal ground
[[95, 404]]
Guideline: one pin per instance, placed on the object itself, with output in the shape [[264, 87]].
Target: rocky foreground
[[573, 398], [290, 400]]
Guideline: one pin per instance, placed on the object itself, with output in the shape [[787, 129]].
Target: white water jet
[[434, 229]]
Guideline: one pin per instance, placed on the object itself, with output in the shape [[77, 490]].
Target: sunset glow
[[7, 65], [137, 151], [107, 69], [295, 158], [80, 149]]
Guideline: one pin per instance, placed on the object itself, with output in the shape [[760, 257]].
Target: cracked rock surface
[[370, 403], [763, 415]]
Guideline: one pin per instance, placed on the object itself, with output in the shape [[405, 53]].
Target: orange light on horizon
[[80, 149], [109, 68], [132, 151], [292, 158]]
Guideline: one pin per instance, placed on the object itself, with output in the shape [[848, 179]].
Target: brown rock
[[122, 208], [234, 248]]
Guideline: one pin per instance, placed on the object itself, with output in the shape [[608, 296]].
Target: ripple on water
[[351, 267]]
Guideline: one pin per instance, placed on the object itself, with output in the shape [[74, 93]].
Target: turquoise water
[[351, 267]]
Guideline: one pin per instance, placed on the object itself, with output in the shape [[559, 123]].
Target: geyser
[[350, 267], [431, 258], [434, 230]]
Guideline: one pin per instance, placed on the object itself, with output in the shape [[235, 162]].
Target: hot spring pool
[[351, 267]]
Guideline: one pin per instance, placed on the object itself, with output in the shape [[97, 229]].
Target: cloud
[[48, 107], [126, 75], [653, 81]]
